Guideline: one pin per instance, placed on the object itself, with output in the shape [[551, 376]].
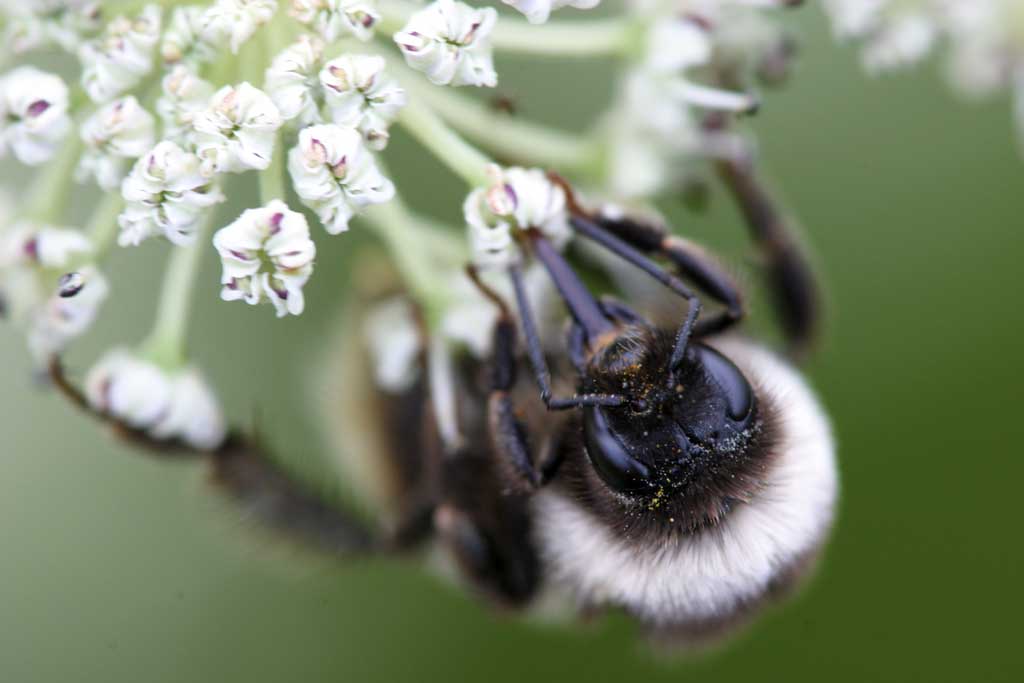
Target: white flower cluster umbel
[[167, 405], [984, 37], [515, 199]]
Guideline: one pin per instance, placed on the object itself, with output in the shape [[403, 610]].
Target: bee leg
[[587, 227], [508, 437], [534, 348], [791, 279], [690, 260], [492, 553], [243, 471]]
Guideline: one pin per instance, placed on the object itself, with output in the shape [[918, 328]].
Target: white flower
[[360, 95], [449, 42], [235, 21], [517, 198], [46, 289], [165, 194], [33, 114], [236, 131], [117, 132], [538, 11], [336, 175], [119, 59], [292, 81], [335, 18], [34, 25], [267, 255], [166, 405], [184, 96], [183, 41], [45, 246], [69, 311]]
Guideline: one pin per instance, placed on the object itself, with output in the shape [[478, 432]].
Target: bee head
[[683, 434]]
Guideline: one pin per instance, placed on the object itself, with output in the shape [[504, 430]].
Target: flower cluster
[[177, 105], [171, 104], [166, 405]]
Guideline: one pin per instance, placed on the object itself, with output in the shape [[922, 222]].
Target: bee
[[683, 474]]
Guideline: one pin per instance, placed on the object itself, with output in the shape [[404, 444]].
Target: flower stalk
[[165, 345]]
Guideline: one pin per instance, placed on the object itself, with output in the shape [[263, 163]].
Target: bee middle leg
[[689, 259]]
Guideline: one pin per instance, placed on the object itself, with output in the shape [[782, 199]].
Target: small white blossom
[[119, 58], [235, 21], [167, 405], [116, 133], [183, 41], [517, 198], [449, 41], [267, 255], [43, 246], [69, 311], [236, 132], [335, 18], [292, 81], [359, 94], [184, 95], [335, 175], [538, 11], [33, 114], [66, 23], [165, 194], [45, 288]]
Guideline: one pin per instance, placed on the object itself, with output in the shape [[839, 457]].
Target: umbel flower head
[[292, 81], [117, 133], [267, 255], [165, 194], [516, 199], [49, 287], [360, 94], [335, 175], [121, 56], [167, 405], [449, 41], [333, 19], [33, 114], [235, 132]]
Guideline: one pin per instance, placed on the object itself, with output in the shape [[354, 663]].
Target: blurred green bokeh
[[116, 568]]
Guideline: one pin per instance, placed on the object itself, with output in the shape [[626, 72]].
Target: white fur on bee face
[[710, 575]]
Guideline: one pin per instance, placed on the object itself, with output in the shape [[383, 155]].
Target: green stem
[[613, 36], [102, 227], [51, 187], [272, 183], [165, 345], [515, 139], [466, 161], [420, 254]]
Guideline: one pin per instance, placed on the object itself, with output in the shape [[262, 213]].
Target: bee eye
[[739, 397], [612, 462]]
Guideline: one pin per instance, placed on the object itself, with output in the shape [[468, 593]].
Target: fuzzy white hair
[[711, 575]]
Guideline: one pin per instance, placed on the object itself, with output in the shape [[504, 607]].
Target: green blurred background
[[117, 568]]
